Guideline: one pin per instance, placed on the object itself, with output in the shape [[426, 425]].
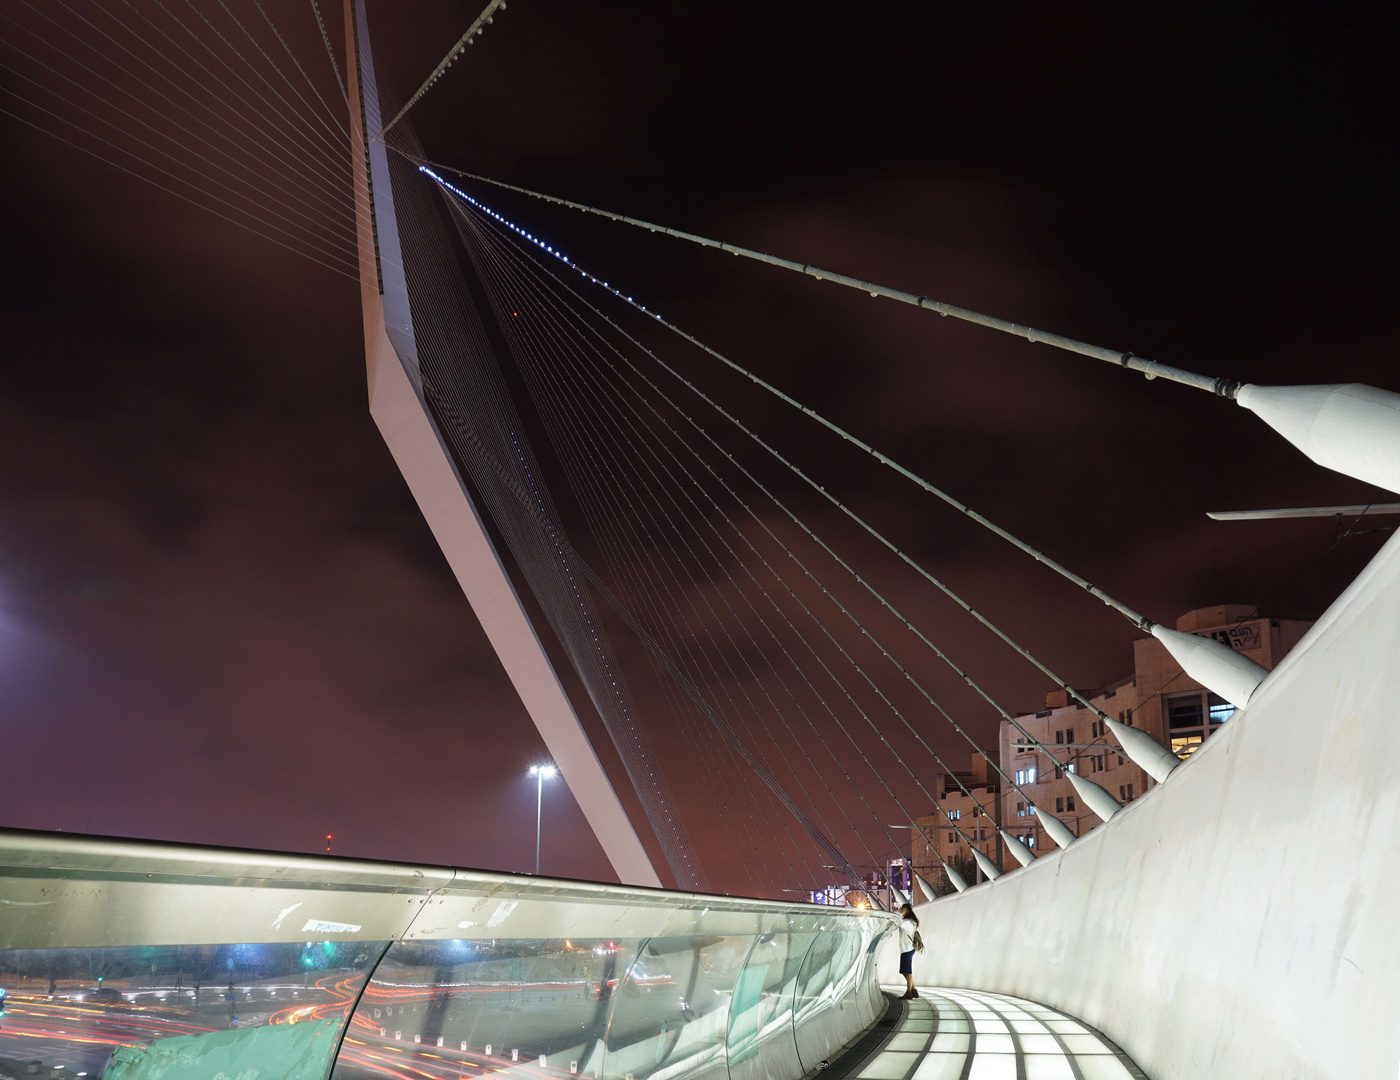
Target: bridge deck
[[948, 1034]]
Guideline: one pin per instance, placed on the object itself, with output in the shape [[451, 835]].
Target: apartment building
[[1158, 697]]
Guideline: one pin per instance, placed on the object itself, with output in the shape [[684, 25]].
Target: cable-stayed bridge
[[504, 375]]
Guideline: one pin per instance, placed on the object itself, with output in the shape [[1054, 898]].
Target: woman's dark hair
[[907, 910]]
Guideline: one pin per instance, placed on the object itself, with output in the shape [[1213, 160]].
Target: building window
[[1219, 709], [1059, 738], [1029, 841], [952, 838], [1125, 792], [1069, 802], [1069, 734], [1070, 766], [1126, 717], [1183, 746], [1059, 806], [1120, 758], [1020, 809], [1192, 717], [1025, 776], [954, 815], [1184, 711]]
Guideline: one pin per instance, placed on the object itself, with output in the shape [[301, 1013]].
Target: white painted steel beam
[[1057, 829], [1351, 428], [1094, 796], [1023, 855], [1213, 664], [989, 868], [1145, 751], [422, 456]]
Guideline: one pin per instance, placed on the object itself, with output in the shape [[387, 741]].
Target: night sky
[[222, 619]]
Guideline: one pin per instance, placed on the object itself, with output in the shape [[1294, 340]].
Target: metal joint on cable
[[1226, 388], [1126, 358]]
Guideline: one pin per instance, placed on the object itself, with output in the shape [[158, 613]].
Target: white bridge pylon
[[423, 458]]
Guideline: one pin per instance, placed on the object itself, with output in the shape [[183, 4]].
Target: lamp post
[[539, 772]]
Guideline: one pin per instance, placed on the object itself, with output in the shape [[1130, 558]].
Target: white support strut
[[423, 459]]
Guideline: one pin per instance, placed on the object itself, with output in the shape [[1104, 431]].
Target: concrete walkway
[[947, 1034]]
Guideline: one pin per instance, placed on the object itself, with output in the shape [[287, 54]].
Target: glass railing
[[135, 961]]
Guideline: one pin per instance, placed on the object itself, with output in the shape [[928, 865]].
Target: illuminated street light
[[540, 773]]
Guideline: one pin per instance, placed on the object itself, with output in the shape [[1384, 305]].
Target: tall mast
[[413, 437]]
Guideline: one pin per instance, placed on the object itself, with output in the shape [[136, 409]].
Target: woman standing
[[908, 927]]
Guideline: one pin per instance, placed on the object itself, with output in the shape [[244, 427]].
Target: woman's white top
[[907, 926]]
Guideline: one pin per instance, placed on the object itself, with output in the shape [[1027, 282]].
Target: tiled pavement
[[947, 1034]]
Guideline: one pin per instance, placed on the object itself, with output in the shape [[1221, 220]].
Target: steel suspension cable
[[320, 23], [1153, 370], [597, 458], [1223, 387], [316, 188], [335, 168], [332, 148], [179, 195], [782, 614], [581, 477], [777, 455], [885, 741], [315, 228], [469, 38], [235, 161], [339, 118], [806, 529]]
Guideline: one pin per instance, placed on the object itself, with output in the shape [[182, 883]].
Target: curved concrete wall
[[1243, 919]]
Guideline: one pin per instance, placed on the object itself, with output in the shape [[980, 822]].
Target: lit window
[[1020, 809], [954, 815], [1184, 746], [1029, 841], [1070, 766]]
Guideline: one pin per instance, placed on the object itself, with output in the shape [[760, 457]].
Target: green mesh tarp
[[271, 1052]]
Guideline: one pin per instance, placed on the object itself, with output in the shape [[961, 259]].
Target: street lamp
[[540, 773]]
